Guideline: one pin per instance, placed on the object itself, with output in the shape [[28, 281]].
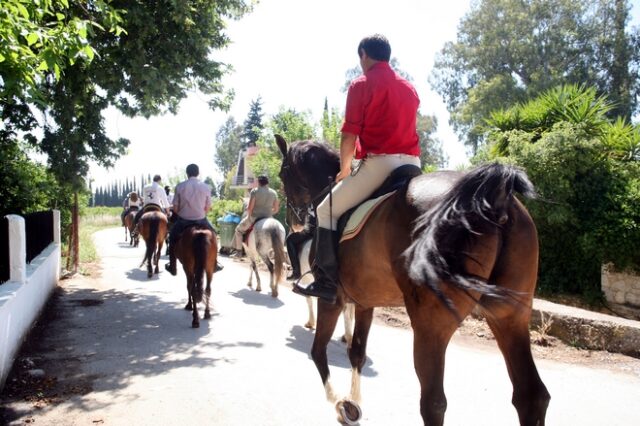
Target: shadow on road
[[101, 341], [301, 339], [252, 297]]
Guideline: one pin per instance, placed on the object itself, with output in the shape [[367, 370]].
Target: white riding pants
[[359, 186]]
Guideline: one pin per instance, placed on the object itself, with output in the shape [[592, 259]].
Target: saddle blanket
[[360, 216]]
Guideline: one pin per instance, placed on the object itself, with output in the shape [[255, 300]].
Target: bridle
[[300, 212]]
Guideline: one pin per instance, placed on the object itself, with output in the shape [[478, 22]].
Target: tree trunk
[[75, 240]]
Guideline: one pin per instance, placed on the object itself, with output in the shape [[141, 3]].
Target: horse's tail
[[154, 224], [201, 248], [477, 204], [279, 256]]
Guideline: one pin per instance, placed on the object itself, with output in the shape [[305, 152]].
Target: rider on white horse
[[263, 203]]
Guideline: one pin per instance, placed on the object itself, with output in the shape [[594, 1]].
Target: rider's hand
[[343, 174]]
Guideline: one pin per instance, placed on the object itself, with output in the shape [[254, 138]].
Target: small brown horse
[[444, 243], [197, 250], [152, 226], [130, 228]]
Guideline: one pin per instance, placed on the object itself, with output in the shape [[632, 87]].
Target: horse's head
[[307, 170]]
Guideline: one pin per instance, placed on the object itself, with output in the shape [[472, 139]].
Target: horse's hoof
[[349, 412], [207, 315], [259, 290], [195, 325], [274, 294], [187, 307], [309, 326]]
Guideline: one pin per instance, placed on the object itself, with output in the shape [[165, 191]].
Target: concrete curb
[[586, 329]]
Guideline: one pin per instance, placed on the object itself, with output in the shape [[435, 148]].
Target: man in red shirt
[[380, 129]]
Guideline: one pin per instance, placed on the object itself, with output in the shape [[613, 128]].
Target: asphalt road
[[123, 349]]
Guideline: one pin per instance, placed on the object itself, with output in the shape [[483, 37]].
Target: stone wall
[[620, 288]]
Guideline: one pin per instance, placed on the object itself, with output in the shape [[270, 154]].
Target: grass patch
[[92, 220]]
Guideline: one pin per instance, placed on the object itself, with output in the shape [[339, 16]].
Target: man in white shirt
[[153, 195], [191, 202]]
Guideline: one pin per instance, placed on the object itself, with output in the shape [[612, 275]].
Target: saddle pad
[[361, 215]]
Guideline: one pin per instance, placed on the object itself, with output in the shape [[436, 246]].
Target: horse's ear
[[282, 144]]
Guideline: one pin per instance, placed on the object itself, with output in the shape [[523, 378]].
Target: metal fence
[[39, 232], [4, 250]]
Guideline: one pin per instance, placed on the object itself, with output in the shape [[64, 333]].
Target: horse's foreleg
[[327, 319], [348, 314], [348, 408], [530, 396], [311, 322]]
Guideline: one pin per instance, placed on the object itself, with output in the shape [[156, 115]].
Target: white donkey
[[266, 243]]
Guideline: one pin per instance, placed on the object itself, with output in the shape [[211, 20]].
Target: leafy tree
[[41, 38], [294, 126], [356, 71], [589, 187], [148, 69], [253, 124], [431, 155], [331, 124], [25, 186], [228, 145], [509, 51]]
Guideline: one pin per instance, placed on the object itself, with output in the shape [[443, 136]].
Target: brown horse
[[152, 226], [130, 228], [441, 245], [197, 250]]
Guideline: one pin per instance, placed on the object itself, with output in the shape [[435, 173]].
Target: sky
[[293, 54]]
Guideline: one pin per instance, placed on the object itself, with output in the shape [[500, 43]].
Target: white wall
[[28, 289]]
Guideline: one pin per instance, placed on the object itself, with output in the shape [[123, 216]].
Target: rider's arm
[[276, 205], [347, 151], [252, 203]]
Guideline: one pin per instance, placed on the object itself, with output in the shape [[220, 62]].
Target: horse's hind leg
[[156, 259], [530, 396], [254, 268], [207, 296], [272, 278], [433, 325], [188, 306]]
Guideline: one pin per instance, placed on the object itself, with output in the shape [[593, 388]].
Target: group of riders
[[379, 129]]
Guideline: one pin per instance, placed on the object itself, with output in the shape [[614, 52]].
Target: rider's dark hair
[[263, 180], [157, 178], [376, 47], [193, 170]]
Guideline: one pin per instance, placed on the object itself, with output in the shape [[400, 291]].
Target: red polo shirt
[[381, 110]]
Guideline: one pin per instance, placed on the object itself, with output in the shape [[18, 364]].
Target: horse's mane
[[318, 161]]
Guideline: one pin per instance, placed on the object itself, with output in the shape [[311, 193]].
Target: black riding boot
[[171, 266], [325, 268]]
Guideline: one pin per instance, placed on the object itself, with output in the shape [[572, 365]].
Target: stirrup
[[314, 290]]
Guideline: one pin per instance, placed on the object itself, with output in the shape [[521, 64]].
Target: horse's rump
[[466, 225]]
